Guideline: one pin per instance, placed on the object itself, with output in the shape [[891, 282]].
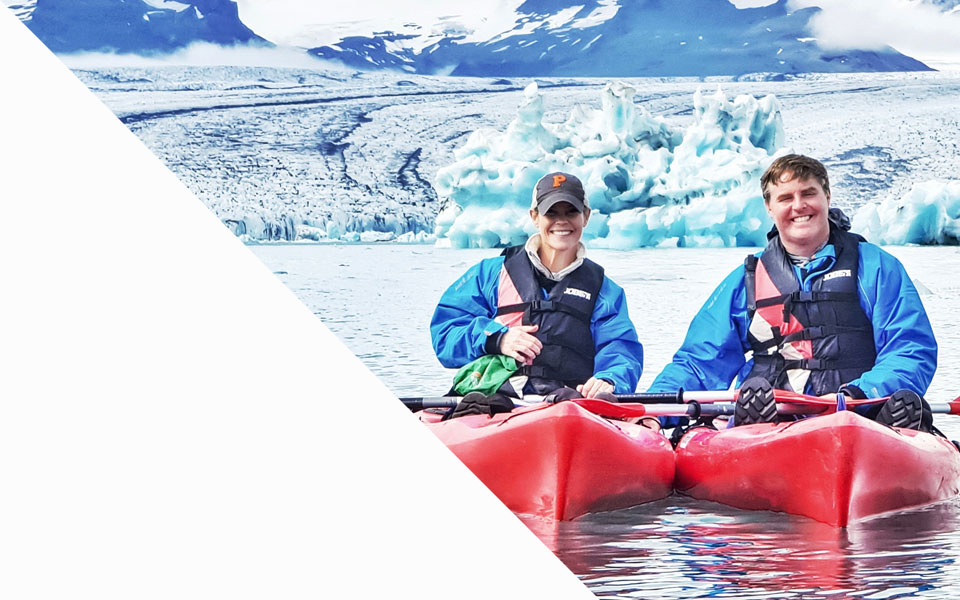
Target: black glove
[[476, 403], [561, 394], [566, 393], [608, 396]]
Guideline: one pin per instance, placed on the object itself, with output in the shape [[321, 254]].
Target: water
[[379, 298], [684, 548]]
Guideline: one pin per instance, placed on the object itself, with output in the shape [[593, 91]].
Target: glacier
[[653, 184], [648, 182], [928, 214], [296, 154]]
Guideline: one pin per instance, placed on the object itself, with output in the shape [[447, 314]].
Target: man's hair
[[800, 167]]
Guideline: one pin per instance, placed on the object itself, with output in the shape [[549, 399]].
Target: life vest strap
[[534, 371], [798, 297], [814, 364], [788, 300], [543, 306], [808, 333]]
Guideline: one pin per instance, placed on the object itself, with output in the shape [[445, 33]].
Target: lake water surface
[[379, 298]]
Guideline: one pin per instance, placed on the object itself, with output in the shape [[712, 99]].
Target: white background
[[174, 423]]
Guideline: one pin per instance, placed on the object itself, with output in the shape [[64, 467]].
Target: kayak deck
[[561, 461], [837, 468]]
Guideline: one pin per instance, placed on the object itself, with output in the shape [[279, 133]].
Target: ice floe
[[649, 182], [928, 214]]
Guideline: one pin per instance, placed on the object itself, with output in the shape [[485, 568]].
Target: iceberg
[[928, 214], [650, 183]]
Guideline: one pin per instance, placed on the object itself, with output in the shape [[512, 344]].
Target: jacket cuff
[[492, 345], [606, 377], [493, 331], [853, 391]]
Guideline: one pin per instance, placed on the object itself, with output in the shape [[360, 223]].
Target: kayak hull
[[837, 469], [561, 461]]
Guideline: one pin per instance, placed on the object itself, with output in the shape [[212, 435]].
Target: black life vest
[[563, 318], [808, 341]]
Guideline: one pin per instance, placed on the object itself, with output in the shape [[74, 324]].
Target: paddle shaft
[[718, 409], [678, 397], [415, 404], [676, 410], [628, 409], [715, 409], [946, 408]]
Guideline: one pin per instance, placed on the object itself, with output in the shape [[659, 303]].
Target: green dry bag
[[485, 375]]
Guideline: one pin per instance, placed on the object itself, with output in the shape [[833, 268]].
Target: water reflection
[[684, 548]]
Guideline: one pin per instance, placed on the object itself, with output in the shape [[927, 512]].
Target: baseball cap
[[558, 187]]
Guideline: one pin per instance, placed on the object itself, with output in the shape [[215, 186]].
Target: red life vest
[[809, 341], [563, 317]]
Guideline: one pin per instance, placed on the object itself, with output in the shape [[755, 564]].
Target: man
[[559, 320], [818, 311]]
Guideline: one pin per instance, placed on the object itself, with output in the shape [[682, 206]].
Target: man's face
[[799, 209]]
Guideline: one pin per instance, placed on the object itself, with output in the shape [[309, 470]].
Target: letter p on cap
[[558, 179]]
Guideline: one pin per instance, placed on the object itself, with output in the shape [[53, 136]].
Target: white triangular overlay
[[174, 423]]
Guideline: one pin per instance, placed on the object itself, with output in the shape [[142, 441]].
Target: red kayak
[[560, 461], [837, 468]]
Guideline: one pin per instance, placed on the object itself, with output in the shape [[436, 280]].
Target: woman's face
[[561, 227]]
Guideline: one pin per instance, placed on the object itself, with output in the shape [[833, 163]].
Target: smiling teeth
[[802, 219]]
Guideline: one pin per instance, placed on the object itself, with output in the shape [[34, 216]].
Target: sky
[[910, 26], [914, 28]]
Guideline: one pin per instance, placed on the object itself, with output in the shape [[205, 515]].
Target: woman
[[542, 304]]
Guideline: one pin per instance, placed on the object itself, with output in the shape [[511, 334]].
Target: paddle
[[789, 403], [715, 409], [731, 396], [678, 397], [420, 403]]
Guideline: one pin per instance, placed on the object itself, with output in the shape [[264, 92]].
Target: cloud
[[311, 24], [752, 3], [915, 28], [199, 54]]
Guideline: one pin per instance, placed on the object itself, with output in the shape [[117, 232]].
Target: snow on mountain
[[946, 5], [618, 38], [23, 10], [135, 26]]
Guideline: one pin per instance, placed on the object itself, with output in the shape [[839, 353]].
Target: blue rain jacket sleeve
[[713, 350], [619, 357], [906, 346], [464, 318]]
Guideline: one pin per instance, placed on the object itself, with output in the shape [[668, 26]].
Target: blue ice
[[650, 183]]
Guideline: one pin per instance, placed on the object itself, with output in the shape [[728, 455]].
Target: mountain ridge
[[135, 26], [549, 38], [640, 38]]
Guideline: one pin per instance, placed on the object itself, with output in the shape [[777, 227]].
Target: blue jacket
[[713, 353], [464, 319]]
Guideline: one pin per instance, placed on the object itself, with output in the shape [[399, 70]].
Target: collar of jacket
[[533, 246]]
